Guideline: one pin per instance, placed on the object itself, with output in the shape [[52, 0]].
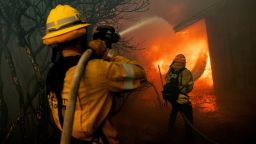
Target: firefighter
[[105, 75], [179, 82]]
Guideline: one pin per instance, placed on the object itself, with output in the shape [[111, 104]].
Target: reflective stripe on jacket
[[101, 79]]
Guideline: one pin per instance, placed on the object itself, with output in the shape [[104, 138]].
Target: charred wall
[[232, 42]]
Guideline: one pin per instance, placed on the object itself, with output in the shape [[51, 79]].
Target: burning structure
[[219, 43]]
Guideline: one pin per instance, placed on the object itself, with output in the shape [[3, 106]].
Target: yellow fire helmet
[[62, 20]]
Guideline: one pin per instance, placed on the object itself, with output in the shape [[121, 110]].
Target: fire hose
[[109, 36], [187, 121], [69, 113], [199, 133]]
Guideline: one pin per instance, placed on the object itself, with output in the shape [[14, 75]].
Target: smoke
[[161, 45], [176, 11]]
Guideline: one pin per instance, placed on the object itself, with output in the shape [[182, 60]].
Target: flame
[[162, 65], [207, 75], [193, 43]]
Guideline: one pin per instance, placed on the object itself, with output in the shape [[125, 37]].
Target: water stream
[[140, 24]]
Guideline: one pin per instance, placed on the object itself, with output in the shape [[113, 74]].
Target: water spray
[[140, 24]]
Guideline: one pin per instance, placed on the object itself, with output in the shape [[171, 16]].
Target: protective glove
[[99, 47], [182, 99]]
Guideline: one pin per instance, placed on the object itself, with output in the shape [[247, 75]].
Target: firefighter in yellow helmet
[[105, 75], [179, 82]]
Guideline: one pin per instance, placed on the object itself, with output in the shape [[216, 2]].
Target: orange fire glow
[[207, 75], [193, 43]]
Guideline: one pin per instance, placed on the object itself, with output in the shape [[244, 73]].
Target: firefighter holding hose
[[105, 75], [179, 82]]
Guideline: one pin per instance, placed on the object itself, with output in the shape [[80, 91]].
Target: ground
[[142, 121]]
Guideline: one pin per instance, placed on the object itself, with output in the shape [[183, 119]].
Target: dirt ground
[[142, 121]]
